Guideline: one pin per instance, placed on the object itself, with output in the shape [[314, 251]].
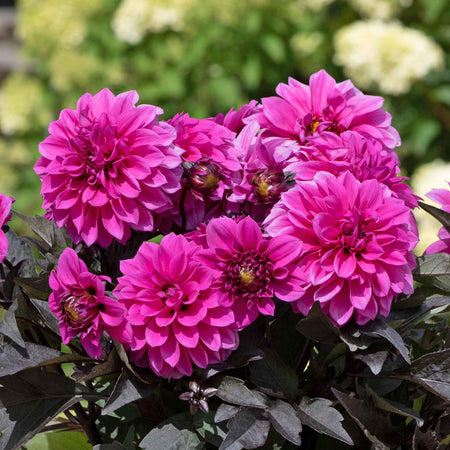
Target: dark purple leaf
[[318, 414], [284, 419], [8, 325], [247, 429], [127, 389]]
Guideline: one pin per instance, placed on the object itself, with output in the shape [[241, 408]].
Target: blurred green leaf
[[422, 135], [274, 47], [59, 440]]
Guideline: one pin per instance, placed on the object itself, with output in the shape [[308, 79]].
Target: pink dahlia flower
[[266, 164], [250, 269], [5, 216], [235, 120], [357, 240], [365, 158], [173, 309], [301, 111], [79, 302], [441, 196], [212, 168], [108, 167]]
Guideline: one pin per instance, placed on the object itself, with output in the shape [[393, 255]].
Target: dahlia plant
[[241, 281]]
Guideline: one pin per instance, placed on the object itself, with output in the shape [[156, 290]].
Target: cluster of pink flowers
[[295, 199]]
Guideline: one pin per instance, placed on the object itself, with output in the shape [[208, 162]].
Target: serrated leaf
[[284, 419], [394, 407], [8, 325], [318, 414], [247, 429], [127, 389], [225, 412], [434, 270], [432, 371], [274, 374], [379, 328], [169, 437], [31, 399], [375, 425], [14, 358], [439, 214], [233, 390]]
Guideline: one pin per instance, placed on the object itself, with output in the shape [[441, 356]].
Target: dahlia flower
[[266, 172], [441, 196], [173, 309], [365, 158], [108, 167], [5, 216], [304, 111], [357, 241], [211, 164], [249, 269], [79, 302], [235, 120]]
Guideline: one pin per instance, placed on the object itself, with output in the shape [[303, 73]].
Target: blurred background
[[206, 56]]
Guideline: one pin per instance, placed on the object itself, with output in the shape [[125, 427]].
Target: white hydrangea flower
[[44, 25], [21, 104], [379, 9], [133, 19], [386, 55], [434, 175]]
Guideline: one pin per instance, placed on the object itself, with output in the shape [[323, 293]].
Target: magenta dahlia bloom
[[5, 216], [173, 309], [250, 269], [108, 167], [266, 173], [212, 168], [365, 158], [441, 196], [235, 120], [301, 111], [357, 241], [79, 302]]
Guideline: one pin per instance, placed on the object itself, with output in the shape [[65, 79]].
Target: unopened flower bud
[[269, 185], [197, 397], [204, 177]]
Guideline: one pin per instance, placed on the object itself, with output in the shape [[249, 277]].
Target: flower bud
[[204, 177], [267, 186], [197, 397]]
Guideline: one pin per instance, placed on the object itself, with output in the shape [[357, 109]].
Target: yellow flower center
[[247, 277], [313, 126]]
